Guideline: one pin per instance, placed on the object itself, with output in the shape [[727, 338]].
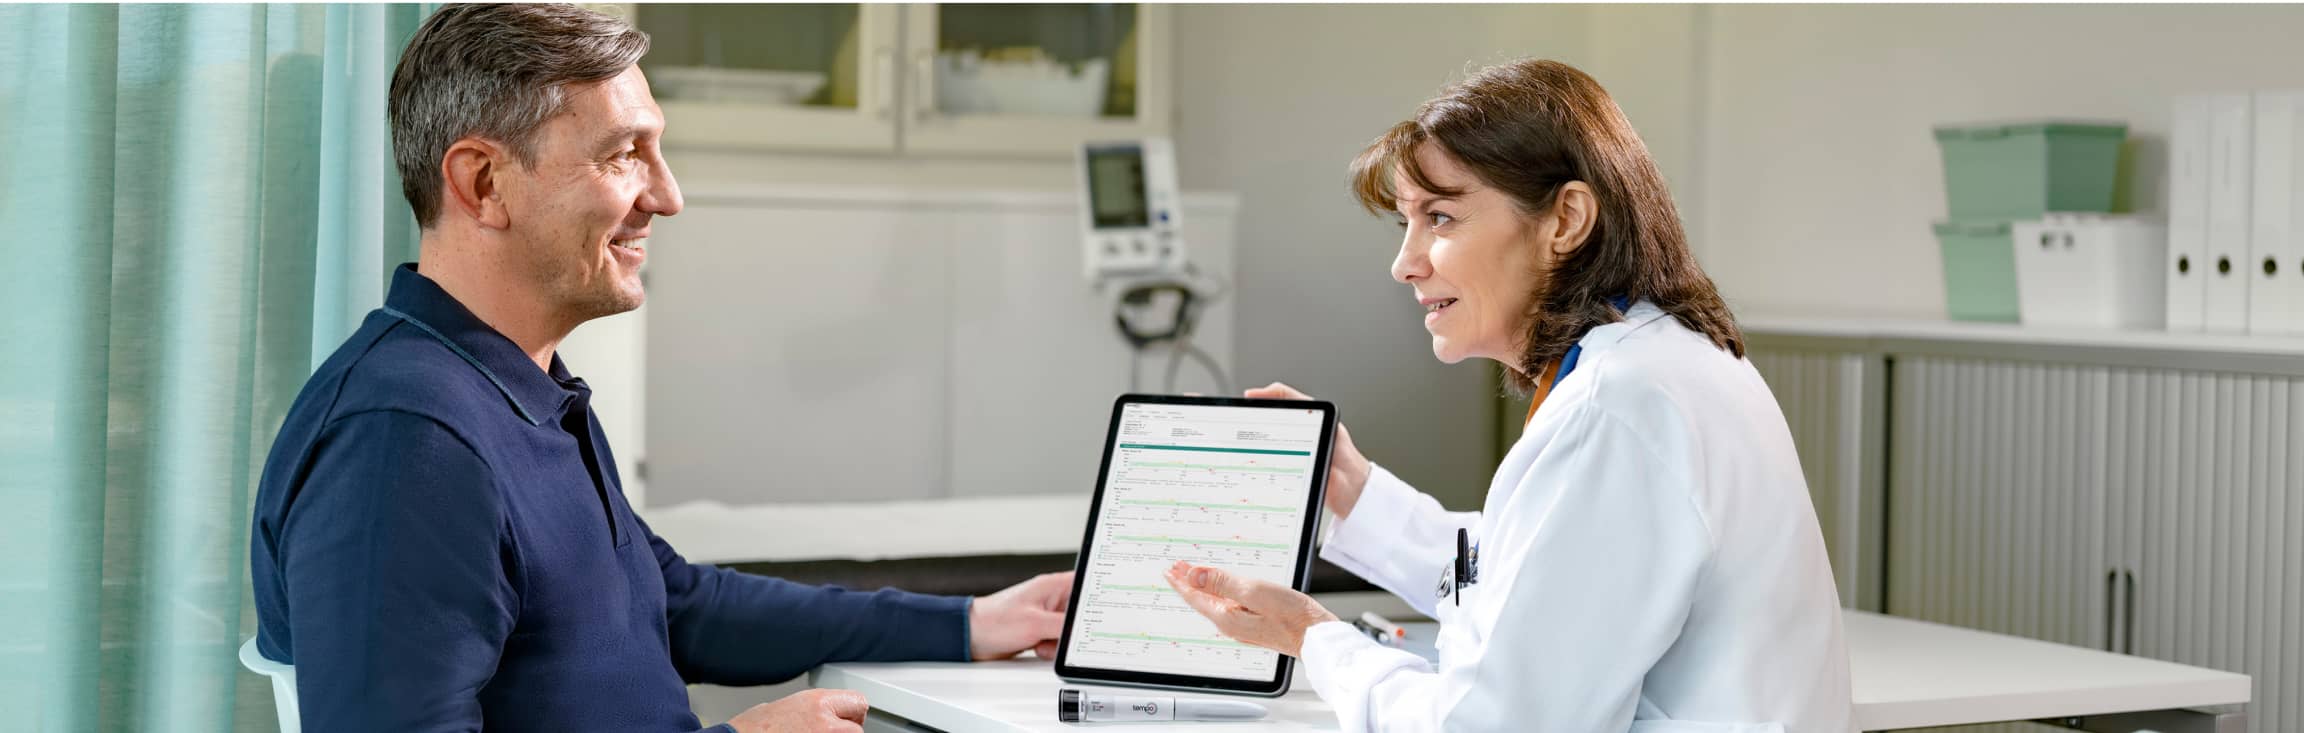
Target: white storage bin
[[968, 84], [2091, 271], [734, 86]]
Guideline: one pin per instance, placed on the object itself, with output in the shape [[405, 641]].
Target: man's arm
[[399, 578], [732, 628]]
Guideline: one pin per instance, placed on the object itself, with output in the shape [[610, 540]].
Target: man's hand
[[1027, 615], [1255, 612], [807, 711]]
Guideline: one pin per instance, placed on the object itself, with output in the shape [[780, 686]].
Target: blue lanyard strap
[[1568, 361]]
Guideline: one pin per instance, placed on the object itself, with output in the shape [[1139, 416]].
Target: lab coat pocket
[[1702, 726]]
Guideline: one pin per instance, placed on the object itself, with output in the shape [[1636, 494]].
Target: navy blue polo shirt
[[441, 543]]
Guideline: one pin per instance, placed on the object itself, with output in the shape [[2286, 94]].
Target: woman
[[1647, 558]]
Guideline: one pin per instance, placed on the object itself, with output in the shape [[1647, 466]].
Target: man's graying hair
[[495, 72]]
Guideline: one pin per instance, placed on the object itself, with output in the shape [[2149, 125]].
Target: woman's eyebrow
[[1412, 203]]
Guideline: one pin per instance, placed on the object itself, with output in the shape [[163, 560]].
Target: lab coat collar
[[1637, 317]]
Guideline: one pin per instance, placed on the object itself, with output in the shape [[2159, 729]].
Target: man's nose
[[663, 195]]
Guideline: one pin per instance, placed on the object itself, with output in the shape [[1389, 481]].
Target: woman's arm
[[1385, 531], [1397, 538], [1606, 548]]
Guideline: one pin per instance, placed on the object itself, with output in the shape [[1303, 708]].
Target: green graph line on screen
[[1149, 588], [1169, 639], [1217, 467], [1164, 539], [1208, 505]]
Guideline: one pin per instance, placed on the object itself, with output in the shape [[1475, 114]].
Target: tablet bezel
[[1274, 687]]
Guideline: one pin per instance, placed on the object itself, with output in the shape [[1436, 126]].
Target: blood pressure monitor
[[1131, 222]]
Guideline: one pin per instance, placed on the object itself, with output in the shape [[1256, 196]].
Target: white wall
[[1273, 102], [1816, 173]]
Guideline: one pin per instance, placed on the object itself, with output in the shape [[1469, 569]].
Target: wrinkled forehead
[[611, 109]]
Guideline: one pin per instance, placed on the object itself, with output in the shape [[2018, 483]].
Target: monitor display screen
[[1116, 188]]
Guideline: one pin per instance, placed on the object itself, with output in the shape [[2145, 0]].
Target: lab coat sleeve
[[1610, 548], [1397, 538], [732, 628]]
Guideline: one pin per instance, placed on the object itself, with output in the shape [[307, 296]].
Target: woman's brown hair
[[1527, 128]]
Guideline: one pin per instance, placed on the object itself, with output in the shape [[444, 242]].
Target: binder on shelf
[[2275, 287], [2187, 214], [2230, 176]]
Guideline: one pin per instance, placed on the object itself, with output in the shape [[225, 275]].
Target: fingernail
[[1200, 578]]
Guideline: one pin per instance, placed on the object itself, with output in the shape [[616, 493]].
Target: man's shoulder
[[391, 366]]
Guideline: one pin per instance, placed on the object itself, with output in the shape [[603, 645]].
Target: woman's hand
[[1347, 470], [1255, 612]]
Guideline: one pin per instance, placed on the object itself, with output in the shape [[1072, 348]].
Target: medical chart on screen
[[1220, 486]]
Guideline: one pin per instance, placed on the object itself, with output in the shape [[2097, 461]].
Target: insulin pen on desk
[[1075, 706], [1381, 629]]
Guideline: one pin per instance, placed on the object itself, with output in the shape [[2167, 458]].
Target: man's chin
[[603, 305]]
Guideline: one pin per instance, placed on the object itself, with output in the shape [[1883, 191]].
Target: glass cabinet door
[[807, 76], [998, 78]]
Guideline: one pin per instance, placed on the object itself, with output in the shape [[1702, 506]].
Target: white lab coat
[[1649, 561]]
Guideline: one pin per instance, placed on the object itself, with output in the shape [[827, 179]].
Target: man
[[441, 542]]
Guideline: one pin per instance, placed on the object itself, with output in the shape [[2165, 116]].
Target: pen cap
[[1068, 705]]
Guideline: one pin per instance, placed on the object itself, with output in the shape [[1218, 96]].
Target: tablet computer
[[1231, 483]]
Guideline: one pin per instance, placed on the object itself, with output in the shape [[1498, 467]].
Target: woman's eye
[[1440, 218]]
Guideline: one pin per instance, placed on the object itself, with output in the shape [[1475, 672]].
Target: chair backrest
[[283, 685]]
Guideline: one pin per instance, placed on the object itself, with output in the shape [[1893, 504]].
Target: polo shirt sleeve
[[400, 578], [732, 628]]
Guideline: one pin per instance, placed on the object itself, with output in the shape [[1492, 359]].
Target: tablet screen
[[1222, 485]]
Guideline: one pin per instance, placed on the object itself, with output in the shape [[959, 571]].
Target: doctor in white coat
[[1647, 558]]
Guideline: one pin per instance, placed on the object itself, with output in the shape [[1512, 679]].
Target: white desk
[[1906, 674]]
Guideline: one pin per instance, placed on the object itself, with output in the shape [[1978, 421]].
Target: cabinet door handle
[[924, 85], [2111, 598], [2128, 624], [885, 57]]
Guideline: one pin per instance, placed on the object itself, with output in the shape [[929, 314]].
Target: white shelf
[[2230, 352]]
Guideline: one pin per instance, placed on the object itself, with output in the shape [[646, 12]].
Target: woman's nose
[[1410, 265]]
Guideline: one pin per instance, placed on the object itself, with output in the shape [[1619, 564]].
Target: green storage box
[[2024, 170], [1979, 271]]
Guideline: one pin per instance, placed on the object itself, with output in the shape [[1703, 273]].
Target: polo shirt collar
[[532, 393]]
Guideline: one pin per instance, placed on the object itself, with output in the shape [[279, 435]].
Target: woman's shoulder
[[1655, 373]]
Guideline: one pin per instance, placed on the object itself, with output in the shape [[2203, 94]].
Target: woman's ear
[[1574, 210]]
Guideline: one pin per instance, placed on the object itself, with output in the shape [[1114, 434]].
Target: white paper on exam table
[[709, 531]]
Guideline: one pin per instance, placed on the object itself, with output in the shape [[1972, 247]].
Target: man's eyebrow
[[614, 136]]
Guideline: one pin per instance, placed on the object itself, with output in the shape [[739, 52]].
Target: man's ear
[[1574, 210], [473, 168]]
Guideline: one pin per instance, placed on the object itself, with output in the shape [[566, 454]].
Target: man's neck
[[504, 304]]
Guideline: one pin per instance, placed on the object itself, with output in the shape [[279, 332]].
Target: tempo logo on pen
[[1077, 706]]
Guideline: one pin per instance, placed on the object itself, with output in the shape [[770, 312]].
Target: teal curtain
[[201, 205]]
